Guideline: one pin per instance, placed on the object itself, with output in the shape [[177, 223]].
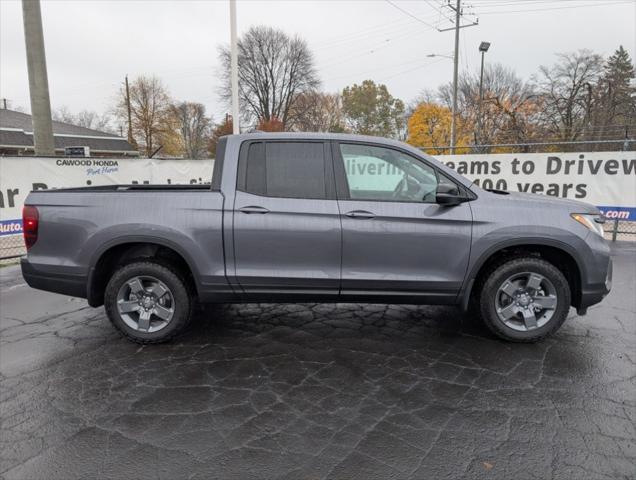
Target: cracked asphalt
[[316, 391]]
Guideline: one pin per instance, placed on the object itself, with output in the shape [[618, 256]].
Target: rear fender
[[94, 297]]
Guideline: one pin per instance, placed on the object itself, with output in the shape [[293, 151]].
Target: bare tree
[[509, 111], [95, 121], [425, 96], [9, 105], [273, 69], [85, 118], [64, 115], [151, 113], [317, 112], [194, 128], [567, 91]]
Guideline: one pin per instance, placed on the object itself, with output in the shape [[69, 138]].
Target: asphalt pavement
[[316, 391]]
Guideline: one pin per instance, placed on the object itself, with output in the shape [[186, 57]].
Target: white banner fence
[[604, 179]]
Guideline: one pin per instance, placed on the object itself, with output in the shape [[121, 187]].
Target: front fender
[[487, 245]]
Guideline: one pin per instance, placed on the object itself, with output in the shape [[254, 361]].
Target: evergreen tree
[[617, 89]]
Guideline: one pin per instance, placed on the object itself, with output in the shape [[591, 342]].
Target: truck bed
[[79, 225]]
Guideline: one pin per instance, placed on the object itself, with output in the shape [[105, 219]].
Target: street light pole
[[483, 48], [236, 129]]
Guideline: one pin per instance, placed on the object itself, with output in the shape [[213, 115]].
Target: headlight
[[591, 221]]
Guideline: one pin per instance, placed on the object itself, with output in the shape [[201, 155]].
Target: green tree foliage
[[369, 109]]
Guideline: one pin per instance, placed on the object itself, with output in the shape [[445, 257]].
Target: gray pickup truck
[[317, 218]]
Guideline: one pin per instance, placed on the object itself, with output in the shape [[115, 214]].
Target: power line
[[406, 12], [370, 50], [385, 28], [388, 67], [442, 13], [499, 12], [412, 69], [496, 3], [517, 2]]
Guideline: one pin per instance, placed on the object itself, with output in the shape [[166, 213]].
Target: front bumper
[[593, 294], [54, 279]]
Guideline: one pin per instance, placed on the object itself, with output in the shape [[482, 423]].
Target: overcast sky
[[91, 45]]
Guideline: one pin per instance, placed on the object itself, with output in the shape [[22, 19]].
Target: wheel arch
[[114, 254], [560, 254]]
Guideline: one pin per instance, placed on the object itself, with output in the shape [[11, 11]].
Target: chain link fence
[[543, 146], [11, 248], [620, 230]]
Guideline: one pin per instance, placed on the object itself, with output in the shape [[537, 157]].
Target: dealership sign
[[20, 175], [604, 179]]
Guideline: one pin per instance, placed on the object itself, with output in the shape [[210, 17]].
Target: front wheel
[[148, 302], [525, 299]]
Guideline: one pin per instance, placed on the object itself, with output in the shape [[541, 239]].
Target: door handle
[[361, 214], [253, 209]]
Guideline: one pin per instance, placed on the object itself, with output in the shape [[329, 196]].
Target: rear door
[[287, 235], [396, 240]]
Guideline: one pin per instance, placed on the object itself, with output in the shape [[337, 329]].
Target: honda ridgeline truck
[[317, 218]]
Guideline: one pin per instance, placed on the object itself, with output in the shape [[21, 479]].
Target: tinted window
[[377, 173], [286, 169]]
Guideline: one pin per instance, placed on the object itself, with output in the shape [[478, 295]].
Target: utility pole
[[458, 16], [236, 128], [4, 103], [131, 140], [38, 79]]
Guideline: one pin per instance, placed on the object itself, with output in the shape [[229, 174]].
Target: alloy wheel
[[526, 301], [145, 304]]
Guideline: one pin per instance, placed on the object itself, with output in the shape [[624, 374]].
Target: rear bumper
[[54, 279]]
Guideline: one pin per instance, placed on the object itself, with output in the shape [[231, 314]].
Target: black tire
[[520, 265], [179, 289]]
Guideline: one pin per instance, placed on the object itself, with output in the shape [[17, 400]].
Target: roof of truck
[[317, 136]]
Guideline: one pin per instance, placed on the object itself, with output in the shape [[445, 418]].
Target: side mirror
[[448, 195]]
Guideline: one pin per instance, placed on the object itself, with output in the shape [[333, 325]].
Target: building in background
[[16, 138]]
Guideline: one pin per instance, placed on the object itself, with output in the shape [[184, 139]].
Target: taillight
[[30, 220]]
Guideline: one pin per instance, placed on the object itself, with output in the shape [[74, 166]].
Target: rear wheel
[[148, 302], [525, 299]]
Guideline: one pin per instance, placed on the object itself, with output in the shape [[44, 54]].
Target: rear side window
[[286, 169]]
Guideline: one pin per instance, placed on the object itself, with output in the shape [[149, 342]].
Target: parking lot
[[316, 391]]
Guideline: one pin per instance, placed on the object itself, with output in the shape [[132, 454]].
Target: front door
[[396, 240], [287, 235]]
